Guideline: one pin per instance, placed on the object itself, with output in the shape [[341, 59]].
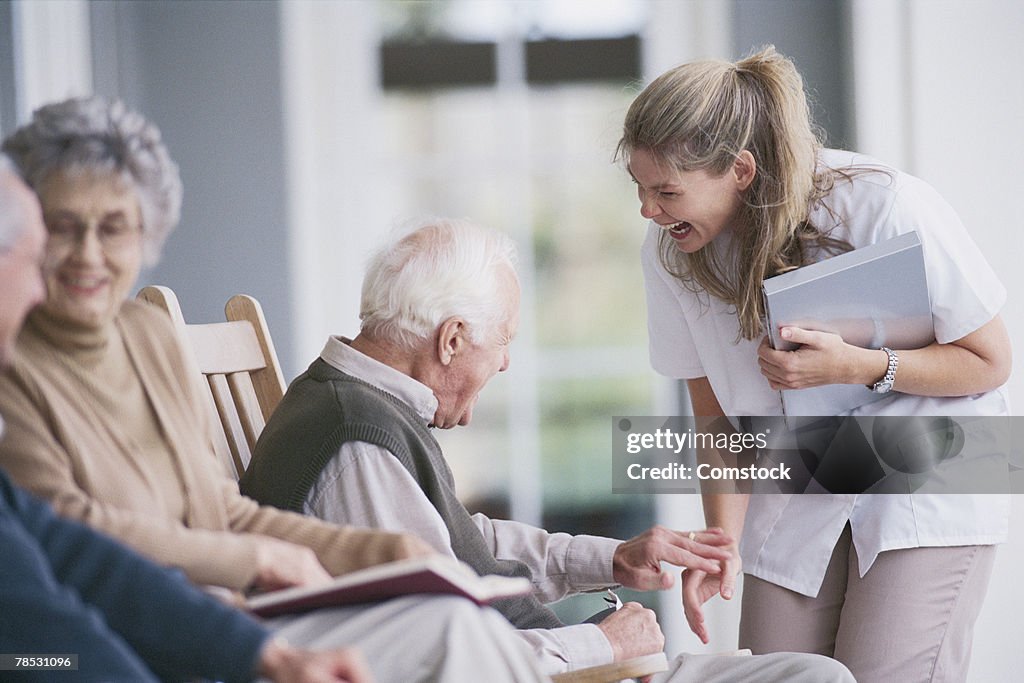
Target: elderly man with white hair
[[101, 424], [351, 443]]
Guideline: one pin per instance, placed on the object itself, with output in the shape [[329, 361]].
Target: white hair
[[441, 269], [11, 220], [95, 134]]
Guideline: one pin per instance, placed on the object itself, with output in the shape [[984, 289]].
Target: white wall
[[51, 50], [967, 104], [331, 134], [939, 92]]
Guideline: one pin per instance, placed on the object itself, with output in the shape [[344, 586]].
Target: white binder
[[872, 297]]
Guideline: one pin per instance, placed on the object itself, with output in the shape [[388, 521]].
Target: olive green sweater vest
[[325, 408]]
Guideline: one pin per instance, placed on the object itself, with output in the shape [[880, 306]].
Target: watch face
[[882, 387]]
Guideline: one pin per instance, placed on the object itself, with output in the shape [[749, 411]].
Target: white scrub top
[[788, 539]]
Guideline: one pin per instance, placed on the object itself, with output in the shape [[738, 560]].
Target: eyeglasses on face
[[112, 232]]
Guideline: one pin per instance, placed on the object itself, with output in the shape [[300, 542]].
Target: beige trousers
[[910, 619], [419, 639]]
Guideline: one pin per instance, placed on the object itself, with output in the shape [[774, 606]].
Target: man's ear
[[451, 338], [744, 169]]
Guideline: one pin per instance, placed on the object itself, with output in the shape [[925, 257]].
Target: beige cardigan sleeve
[[58, 449], [32, 454]]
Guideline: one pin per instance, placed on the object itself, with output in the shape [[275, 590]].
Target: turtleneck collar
[[70, 336]]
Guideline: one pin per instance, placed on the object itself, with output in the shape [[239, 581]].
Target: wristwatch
[[884, 385]]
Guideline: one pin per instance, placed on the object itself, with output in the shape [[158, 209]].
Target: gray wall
[[813, 33], [7, 90], [208, 74]]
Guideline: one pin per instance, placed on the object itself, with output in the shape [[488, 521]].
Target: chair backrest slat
[[227, 347], [269, 380], [236, 367], [229, 421], [250, 416]]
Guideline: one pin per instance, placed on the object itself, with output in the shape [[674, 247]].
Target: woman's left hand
[[699, 587], [822, 358]]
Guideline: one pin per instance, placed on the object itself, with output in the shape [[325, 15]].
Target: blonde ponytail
[[700, 116]]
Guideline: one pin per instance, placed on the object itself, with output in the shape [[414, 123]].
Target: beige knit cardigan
[[66, 449]]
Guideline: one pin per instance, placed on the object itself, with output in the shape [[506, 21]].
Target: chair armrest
[[616, 671]]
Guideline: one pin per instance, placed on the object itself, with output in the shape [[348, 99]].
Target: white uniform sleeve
[[562, 564], [673, 353], [363, 485], [965, 291]]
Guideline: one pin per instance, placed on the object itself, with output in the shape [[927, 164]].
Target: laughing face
[[694, 207], [94, 247]]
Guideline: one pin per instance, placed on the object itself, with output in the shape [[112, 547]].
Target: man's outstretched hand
[[637, 562]]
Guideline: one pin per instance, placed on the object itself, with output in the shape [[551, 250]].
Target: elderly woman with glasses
[[102, 422]]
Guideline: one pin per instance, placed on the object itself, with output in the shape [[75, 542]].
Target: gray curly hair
[[103, 135]]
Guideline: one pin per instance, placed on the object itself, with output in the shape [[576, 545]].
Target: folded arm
[[36, 460], [976, 363], [177, 630], [239, 544]]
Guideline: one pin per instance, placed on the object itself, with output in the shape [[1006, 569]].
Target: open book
[[433, 574]]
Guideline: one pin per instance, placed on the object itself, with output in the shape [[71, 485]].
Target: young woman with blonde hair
[[735, 181]]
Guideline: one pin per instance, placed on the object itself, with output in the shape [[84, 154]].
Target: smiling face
[[94, 251], [694, 207], [467, 366]]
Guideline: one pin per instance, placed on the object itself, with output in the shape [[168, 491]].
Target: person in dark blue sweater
[[66, 589], [69, 590]]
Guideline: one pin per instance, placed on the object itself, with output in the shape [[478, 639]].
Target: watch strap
[[884, 385]]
